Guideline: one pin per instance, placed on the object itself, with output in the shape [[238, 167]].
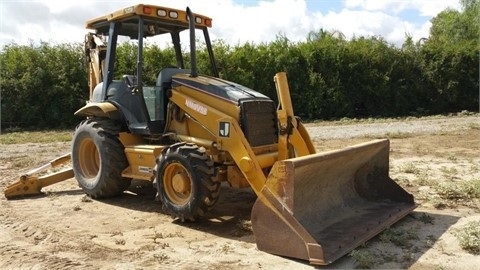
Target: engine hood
[[223, 89]]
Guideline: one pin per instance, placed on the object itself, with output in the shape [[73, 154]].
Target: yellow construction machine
[[189, 132]]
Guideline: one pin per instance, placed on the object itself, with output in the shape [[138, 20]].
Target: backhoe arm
[[95, 51], [32, 184]]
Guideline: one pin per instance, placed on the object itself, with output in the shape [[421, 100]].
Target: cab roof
[[157, 20]]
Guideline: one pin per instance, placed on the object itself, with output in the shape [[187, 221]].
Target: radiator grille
[[258, 120]]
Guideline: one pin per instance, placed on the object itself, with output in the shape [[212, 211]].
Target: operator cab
[[143, 106]]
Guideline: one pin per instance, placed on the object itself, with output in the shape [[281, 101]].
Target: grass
[[398, 237], [474, 126], [448, 172], [409, 168], [452, 158], [457, 191], [20, 161], [349, 121], [451, 194], [19, 137], [469, 237], [363, 258], [425, 218], [421, 175], [423, 179], [474, 168], [399, 135]]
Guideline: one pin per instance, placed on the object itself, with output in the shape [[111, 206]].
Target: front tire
[[98, 158], [184, 181]]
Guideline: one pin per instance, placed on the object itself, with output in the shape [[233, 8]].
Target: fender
[[99, 109]]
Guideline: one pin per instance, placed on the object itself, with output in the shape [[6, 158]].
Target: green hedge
[[329, 76]]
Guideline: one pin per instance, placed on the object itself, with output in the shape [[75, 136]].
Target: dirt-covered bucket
[[320, 207]]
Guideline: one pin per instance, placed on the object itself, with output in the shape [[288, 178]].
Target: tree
[[452, 26], [450, 58]]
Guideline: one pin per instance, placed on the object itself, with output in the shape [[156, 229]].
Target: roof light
[[128, 10], [173, 14], [208, 22], [198, 20], [147, 10], [162, 13]]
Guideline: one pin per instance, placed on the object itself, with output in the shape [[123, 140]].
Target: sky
[[234, 21]]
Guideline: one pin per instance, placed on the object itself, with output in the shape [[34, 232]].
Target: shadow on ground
[[401, 245]]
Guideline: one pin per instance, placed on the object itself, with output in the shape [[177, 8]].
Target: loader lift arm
[[31, 184], [293, 137]]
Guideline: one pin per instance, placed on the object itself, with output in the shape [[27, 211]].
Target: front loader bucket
[[320, 207]]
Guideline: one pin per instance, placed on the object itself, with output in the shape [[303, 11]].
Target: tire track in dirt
[[26, 239], [37, 260], [19, 239]]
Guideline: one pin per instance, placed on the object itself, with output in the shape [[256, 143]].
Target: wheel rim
[[89, 159], [177, 183]]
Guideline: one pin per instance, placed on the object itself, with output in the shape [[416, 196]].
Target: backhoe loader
[[190, 132]]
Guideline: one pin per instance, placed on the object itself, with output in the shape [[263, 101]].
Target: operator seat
[[164, 79]]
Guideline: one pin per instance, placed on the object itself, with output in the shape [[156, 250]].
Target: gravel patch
[[394, 128]]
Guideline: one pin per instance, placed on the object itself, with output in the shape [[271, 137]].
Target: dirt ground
[[433, 158]]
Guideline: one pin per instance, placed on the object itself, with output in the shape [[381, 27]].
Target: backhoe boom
[[31, 184]]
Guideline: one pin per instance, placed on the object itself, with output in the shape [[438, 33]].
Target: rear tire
[[185, 183], [98, 158]]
